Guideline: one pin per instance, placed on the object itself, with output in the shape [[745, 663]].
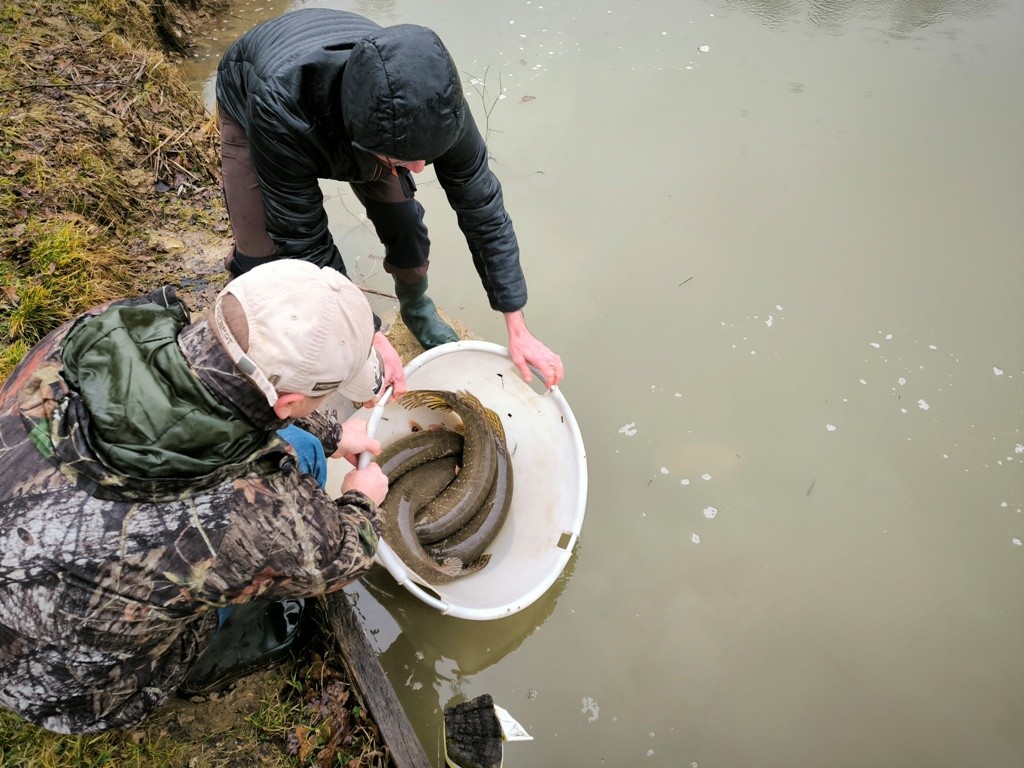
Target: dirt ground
[[210, 727], [304, 711]]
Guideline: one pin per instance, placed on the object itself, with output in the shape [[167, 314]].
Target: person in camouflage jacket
[[132, 508]]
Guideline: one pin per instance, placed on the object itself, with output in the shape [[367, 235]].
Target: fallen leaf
[[299, 744]]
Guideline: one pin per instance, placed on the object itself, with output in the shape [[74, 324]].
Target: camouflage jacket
[[108, 579]]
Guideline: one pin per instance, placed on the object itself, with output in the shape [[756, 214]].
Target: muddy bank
[[103, 148]]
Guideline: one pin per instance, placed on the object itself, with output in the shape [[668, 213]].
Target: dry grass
[[100, 141]]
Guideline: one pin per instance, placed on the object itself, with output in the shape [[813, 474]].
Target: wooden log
[[373, 685]]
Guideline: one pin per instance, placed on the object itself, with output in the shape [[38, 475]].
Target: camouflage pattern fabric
[[108, 581]]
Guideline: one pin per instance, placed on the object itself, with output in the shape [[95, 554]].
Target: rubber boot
[[420, 315], [253, 636]]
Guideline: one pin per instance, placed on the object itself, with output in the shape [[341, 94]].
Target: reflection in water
[[239, 17], [423, 640], [900, 18]]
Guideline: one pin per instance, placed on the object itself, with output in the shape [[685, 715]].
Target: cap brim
[[366, 384]]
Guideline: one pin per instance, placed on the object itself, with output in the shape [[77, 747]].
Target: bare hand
[[371, 480], [394, 371], [354, 441], [526, 350]]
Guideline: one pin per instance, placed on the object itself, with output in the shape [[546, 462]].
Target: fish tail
[[477, 564], [451, 566]]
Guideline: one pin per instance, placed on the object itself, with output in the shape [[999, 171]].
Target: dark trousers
[[389, 202]]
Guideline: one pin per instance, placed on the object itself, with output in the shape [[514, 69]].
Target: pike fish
[[411, 451], [424, 482], [456, 505], [405, 497], [468, 543]]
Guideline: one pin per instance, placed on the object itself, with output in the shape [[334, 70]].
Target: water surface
[[779, 246]]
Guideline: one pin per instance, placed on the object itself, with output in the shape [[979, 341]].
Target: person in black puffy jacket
[[319, 93]]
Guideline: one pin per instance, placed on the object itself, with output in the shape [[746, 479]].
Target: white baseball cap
[[293, 327]]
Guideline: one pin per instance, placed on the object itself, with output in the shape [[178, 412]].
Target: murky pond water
[[780, 247]]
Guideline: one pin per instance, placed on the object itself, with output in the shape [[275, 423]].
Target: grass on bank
[[101, 140], [24, 745], [67, 268]]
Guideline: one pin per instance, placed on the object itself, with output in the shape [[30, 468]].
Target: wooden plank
[[373, 685]]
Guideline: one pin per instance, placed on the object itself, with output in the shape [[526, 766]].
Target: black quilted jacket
[[318, 90]]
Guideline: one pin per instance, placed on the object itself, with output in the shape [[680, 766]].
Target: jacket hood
[[136, 401], [401, 94]]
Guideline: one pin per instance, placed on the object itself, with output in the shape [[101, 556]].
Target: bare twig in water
[[480, 86], [375, 292]]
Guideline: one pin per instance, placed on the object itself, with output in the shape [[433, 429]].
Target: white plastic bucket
[[549, 469]]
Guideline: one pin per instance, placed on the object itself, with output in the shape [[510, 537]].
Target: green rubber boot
[[420, 315]]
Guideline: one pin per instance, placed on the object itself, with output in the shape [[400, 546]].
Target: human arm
[[474, 194], [349, 440], [369, 480], [286, 537], [354, 441], [527, 350]]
